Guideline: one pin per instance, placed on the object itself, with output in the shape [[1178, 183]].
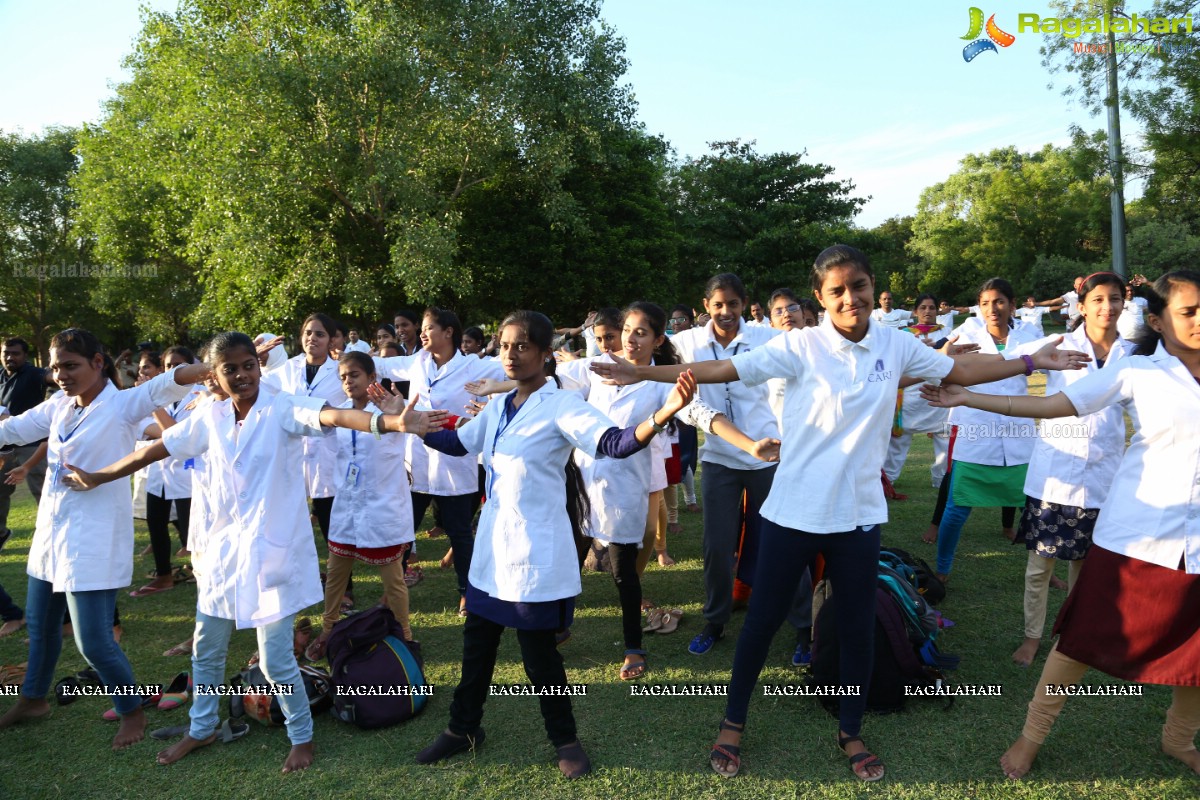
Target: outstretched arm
[[950, 395], [624, 373], [972, 368], [80, 480]]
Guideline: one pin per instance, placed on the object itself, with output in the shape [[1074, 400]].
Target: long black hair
[[1157, 297], [540, 332]]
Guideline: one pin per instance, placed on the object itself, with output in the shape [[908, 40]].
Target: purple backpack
[[378, 678]]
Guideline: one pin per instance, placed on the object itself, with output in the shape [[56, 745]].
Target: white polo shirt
[[1033, 317], [748, 407], [842, 397], [1152, 512]]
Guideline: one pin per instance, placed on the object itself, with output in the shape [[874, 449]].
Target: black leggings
[[622, 563], [158, 513]]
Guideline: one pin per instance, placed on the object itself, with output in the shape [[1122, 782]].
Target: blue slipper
[[802, 655]]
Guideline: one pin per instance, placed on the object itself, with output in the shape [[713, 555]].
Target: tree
[[1000, 211], [621, 246], [44, 259], [764, 217], [886, 245], [300, 154]]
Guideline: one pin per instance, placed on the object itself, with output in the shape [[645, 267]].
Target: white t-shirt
[[896, 318], [1071, 305], [1133, 315], [1033, 316]]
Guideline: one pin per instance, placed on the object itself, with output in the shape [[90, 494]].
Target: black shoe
[[5, 535], [448, 744]]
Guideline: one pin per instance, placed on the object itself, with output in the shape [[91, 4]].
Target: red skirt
[[1134, 620], [378, 556]]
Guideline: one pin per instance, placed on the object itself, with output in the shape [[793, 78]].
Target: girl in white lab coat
[[991, 453], [82, 550], [372, 518], [1134, 610], [440, 372], [1074, 460], [313, 373], [259, 564], [525, 570]]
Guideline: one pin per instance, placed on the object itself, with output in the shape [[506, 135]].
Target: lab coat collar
[[456, 362], [1175, 368], [228, 422]]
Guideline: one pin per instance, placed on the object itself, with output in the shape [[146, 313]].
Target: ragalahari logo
[[995, 36]]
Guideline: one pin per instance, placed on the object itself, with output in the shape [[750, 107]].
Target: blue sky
[[878, 90]]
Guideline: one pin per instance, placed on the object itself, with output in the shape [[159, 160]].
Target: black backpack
[[378, 677], [917, 571]]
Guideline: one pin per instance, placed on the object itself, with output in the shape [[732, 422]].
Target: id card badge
[[189, 464], [352, 476]]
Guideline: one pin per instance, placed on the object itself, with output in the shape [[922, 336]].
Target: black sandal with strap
[[730, 752], [861, 762]]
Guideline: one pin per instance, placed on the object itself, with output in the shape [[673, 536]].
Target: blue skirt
[[547, 615], [1055, 531]]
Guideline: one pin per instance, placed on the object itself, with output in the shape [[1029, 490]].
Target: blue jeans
[[277, 660], [950, 529], [785, 555], [92, 619]]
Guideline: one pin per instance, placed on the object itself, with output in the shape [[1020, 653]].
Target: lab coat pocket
[[275, 564], [526, 543]]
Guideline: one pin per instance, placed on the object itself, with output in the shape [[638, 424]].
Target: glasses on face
[[785, 310]]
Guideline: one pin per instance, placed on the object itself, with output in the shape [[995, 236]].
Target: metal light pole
[[1115, 168]]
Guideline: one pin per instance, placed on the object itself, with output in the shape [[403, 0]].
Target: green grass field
[[642, 747]]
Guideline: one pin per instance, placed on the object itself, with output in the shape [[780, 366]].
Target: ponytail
[[1156, 303]]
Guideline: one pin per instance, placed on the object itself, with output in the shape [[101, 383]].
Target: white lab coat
[[524, 551], [375, 508], [84, 540], [619, 490], [993, 439], [1075, 459], [173, 480], [258, 563], [320, 453], [1152, 512], [441, 388]]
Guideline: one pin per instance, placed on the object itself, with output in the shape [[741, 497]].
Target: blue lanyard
[[313, 386], [728, 392], [353, 445], [174, 410], [64, 439]]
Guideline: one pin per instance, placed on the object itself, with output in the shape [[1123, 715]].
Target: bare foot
[[131, 731], [930, 535], [24, 710], [183, 552], [184, 746], [1017, 760], [300, 757], [1058, 583], [674, 527], [693, 508], [945, 579], [448, 559], [1025, 654], [118, 632], [665, 560], [147, 551], [1190, 757], [11, 626], [1009, 534]]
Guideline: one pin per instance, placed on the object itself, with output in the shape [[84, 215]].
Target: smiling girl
[[828, 500], [82, 550], [1134, 609]]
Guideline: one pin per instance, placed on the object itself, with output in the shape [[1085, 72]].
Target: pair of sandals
[[726, 759], [662, 620]]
